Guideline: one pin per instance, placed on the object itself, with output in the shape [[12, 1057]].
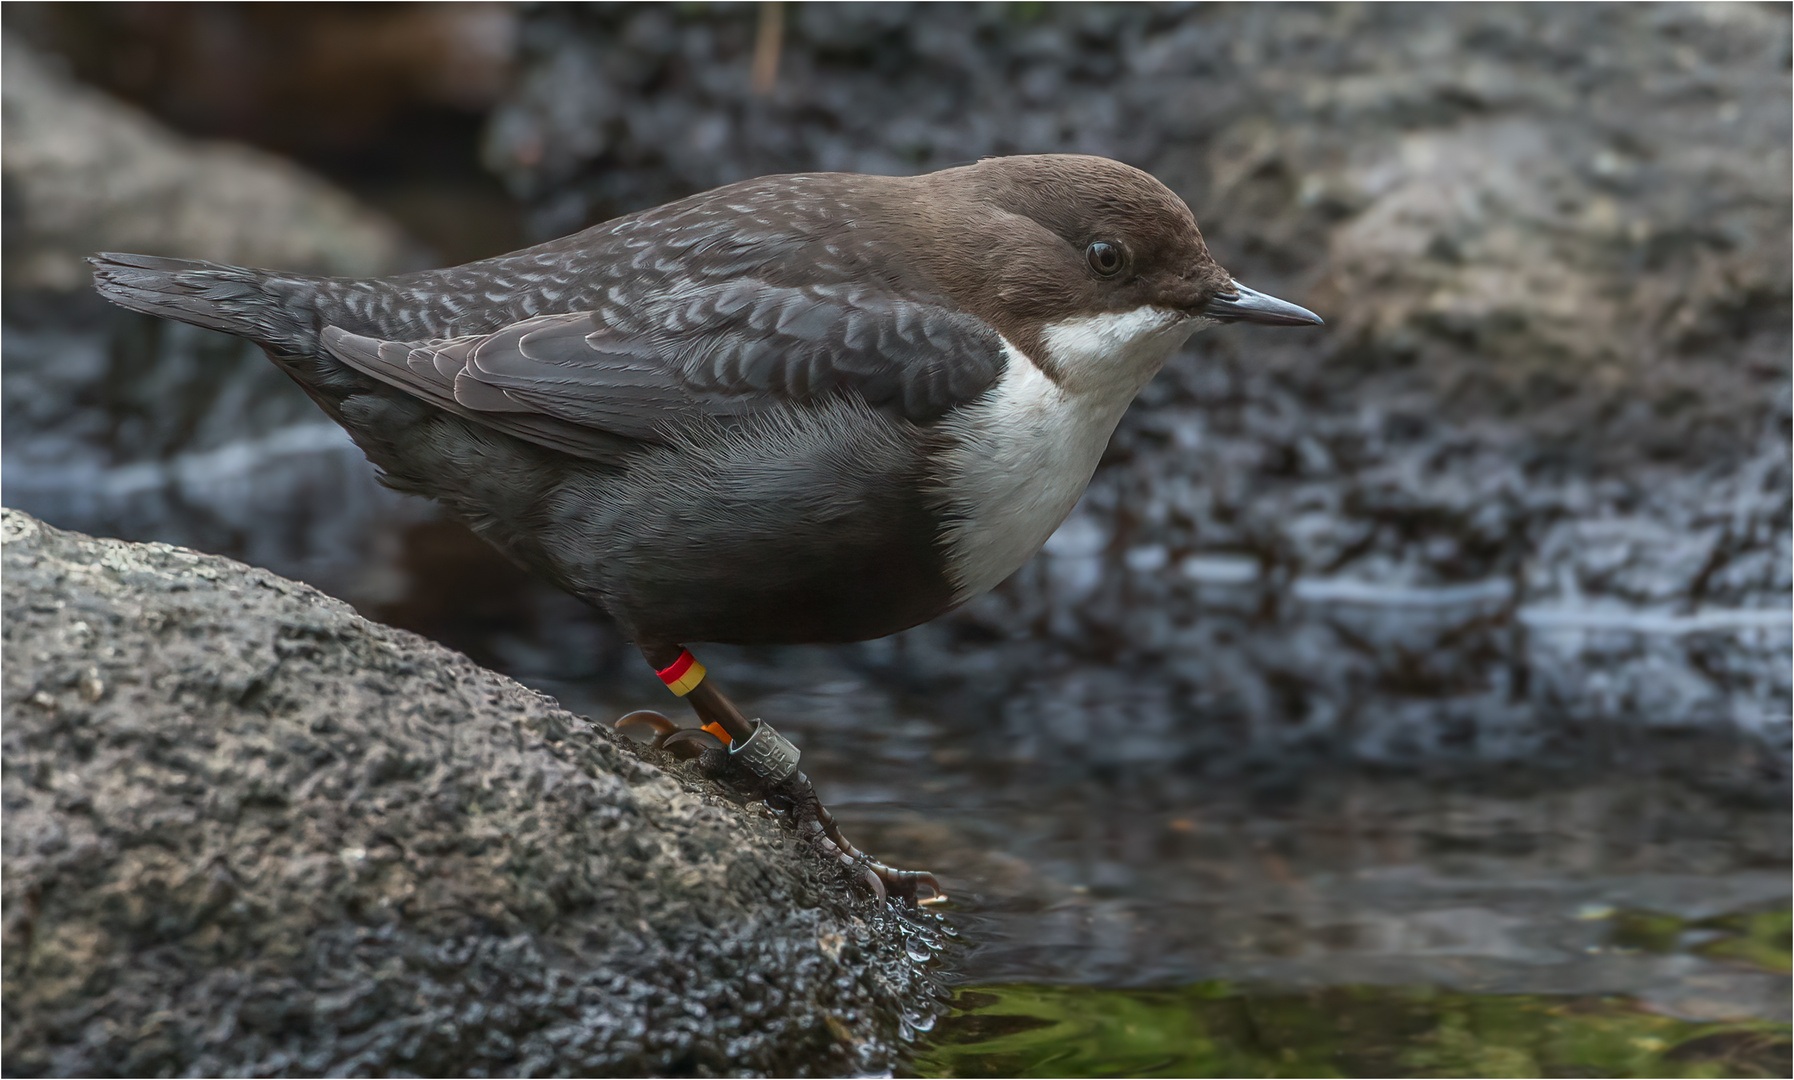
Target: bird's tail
[[267, 308]]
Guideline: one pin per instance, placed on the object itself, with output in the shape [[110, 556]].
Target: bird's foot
[[813, 820], [683, 743], [765, 764]]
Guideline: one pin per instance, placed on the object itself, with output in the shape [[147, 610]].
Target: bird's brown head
[[1036, 242]]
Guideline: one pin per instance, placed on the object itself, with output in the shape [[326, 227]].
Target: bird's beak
[[1240, 304]]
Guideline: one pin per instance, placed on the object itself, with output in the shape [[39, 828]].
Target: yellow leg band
[[684, 674]]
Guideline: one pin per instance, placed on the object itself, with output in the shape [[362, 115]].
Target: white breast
[[1021, 456]]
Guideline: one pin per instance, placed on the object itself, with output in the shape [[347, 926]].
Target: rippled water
[[1613, 924], [1536, 921], [1214, 1029]]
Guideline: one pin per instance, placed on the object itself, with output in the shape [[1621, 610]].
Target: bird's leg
[[759, 759]]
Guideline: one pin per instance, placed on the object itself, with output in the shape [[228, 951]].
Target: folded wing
[[599, 383]]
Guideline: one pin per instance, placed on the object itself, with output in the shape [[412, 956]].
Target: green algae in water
[[1214, 1029], [1760, 939]]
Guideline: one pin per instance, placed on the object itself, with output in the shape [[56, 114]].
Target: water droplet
[[921, 1022]]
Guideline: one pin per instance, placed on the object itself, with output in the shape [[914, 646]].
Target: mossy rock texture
[[248, 832]]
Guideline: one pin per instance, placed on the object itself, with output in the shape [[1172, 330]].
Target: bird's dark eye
[[1104, 258]]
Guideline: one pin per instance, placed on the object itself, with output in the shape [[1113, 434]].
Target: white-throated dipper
[[800, 409]]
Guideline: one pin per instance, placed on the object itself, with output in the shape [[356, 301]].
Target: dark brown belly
[[858, 579], [811, 526]]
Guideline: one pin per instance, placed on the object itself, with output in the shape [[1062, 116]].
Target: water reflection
[[1534, 881], [1219, 1030]]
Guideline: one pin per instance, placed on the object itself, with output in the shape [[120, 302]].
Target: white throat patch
[[1021, 456], [1119, 352]]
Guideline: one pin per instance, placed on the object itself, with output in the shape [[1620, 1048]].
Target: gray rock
[[250, 833]]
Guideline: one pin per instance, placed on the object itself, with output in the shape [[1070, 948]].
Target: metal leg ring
[[765, 754]]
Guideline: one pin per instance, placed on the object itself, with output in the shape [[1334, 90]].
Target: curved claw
[[660, 725], [687, 743], [902, 884], [878, 886], [791, 791]]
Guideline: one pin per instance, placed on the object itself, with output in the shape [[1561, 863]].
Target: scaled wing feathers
[[587, 381]]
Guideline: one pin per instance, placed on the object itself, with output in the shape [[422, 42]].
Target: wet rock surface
[[1531, 481], [248, 832]]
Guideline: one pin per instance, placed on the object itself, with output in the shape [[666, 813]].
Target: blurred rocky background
[[1521, 509]]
